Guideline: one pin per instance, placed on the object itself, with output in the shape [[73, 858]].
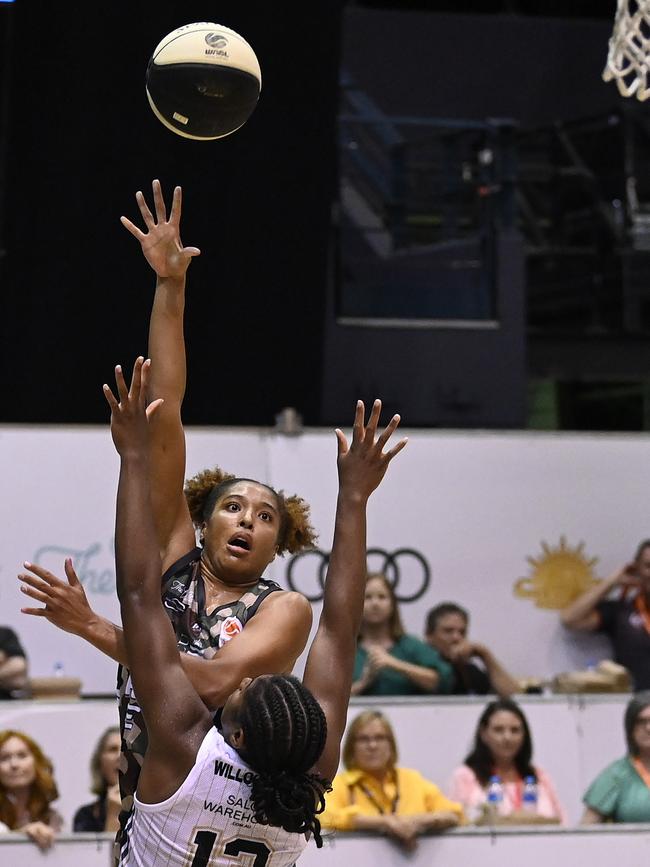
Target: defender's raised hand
[[161, 243], [130, 415], [363, 464]]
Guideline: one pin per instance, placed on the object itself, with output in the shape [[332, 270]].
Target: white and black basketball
[[203, 81]]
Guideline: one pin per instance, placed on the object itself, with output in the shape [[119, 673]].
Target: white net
[[628, 58]]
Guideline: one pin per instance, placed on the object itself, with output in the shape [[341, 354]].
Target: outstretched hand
[[363, 464], [66, 604], [130, 415], [161, 243]]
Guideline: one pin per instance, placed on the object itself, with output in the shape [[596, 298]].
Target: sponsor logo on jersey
[[224, 769], [230, 627]]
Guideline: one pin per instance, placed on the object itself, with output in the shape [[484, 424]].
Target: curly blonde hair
[[296, 532]]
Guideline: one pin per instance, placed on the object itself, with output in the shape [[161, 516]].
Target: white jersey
[[209, 821]]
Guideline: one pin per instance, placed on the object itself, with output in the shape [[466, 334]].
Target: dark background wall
[[81, 140], [535, 69]]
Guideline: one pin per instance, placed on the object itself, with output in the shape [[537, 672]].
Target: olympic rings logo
[[396, 566]]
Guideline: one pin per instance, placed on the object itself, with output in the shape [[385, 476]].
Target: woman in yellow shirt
[[373, 794]]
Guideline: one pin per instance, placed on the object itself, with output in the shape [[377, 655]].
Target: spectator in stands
[[389, 662], [27, 789], [446, 631], [621, 793], [374, 794], [503, 747], [625, 618], [13, 664], [102, 814]]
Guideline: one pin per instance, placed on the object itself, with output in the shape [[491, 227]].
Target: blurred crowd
[[497, 782]]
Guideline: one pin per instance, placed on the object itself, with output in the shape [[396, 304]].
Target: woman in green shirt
[[621, 793], [388, 661]]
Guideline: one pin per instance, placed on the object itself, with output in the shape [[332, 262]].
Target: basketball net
[[628, 57]]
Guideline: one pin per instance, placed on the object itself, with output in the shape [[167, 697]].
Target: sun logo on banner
[[558, 577]]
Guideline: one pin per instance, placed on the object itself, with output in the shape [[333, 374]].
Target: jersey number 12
[[205, 840]]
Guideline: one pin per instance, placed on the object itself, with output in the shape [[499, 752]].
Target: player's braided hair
[[204, 490], [284, 731]]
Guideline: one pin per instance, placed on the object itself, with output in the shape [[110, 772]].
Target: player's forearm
[[347, 572], [212, 681], [166, 341], [106, 637], [137, 557]]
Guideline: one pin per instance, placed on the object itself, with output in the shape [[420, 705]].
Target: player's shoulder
[[290, 601]]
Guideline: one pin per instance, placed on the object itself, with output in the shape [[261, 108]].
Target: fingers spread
[[122, 390], [358, 428], [396, 449], [373, 421], [388, 432], [70, 572], [35, 612], [341, 442], [136, 379], [175, 213], [33, 582], [110, 398], [35, 594], [132, 228], [154, 406], [159, 202], [147, 216], [41, 572]]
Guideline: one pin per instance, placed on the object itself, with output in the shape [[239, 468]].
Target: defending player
[[255, 787]]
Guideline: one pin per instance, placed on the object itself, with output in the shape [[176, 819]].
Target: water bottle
[[494, 799], [58, 670], [529, 795]]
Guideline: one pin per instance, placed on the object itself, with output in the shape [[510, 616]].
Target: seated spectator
[[503, 747], [389, 662], [621, 793], [102, 814], [27, 789], [625, 618], [13, 664], [446, 632], [373, 794]]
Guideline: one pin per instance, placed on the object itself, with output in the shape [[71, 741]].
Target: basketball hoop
[[628, 57]]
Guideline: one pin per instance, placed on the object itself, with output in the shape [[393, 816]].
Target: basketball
[[203, 81]]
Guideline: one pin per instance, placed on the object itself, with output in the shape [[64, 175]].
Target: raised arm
[[581, 614], [328, 672], [163, 250], [176, 718]]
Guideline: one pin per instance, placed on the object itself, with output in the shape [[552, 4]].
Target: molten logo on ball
[[216, 40]]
